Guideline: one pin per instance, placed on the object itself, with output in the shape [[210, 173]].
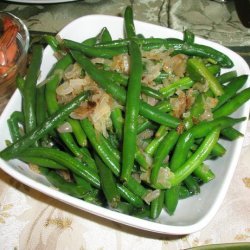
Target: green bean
[[129, 23], [197, 108], [226, 77], [181, 150], [186, 140], [188, 122], [117, 121], [42, 162], [99, 38], [196, 159], [50, 92], [231, 133], [128, 208], [92, 195], [203, 128], [151, 92], [141, 213], [78, 132], [91, 41], [102, 150], [115, 77], [146, 125], [104, 36], [178, 47], [183, 192], [188, 37], [161, 77], [125, 208], [234, 103], [29, 91], [198, 66], [132, 111], [129, 196], [52, 41], [136, 187], [192, 185], [100, 77], [171, 199], [65, 160], [64, 186], [41, 111], [13, 124], [162, 151], [92, 51], [14, 129], [108, 183], [156, 205], [156, 141], [214, 69], [140, 40], [183, 83], [61, 65], [87, 158], [204, 173], [47, 126], [82, 182], [20, 83], [218, 150], [164, 106], [230, 90], [113, 139], [40, 105], [109, 146], [156, 115], [18, 116], [143, 159], [161, 132], [70, 143]]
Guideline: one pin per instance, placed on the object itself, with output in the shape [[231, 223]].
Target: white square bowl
[[192, 214]]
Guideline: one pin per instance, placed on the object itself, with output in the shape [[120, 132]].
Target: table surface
[[31, 220]]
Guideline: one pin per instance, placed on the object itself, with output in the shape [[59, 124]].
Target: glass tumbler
[[14, 45]]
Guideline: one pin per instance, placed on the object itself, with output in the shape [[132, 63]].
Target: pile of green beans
[[150, 157]]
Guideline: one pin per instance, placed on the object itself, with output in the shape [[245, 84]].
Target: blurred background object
[[243, 10]]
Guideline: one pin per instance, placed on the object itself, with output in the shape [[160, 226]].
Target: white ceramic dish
[[192, 214]]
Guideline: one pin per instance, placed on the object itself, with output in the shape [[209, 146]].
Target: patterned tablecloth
[[31, 220]]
